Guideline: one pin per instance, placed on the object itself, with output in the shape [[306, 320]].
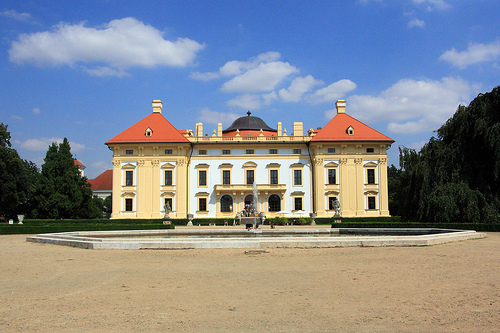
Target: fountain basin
[[267, 238]]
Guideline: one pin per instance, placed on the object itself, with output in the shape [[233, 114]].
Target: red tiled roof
[[77, 162], [336, 130], [102, 182], [162, 131]]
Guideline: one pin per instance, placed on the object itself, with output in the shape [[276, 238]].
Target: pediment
[[168, 166], [250, 165], [129, 166]]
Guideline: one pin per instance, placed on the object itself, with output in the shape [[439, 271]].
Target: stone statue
[[167, 209], [336, 208]]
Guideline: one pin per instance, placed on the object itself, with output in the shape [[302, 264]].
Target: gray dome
[[248, 123]]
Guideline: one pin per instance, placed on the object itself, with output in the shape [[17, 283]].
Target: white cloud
[[21, 17], [204, 76], [119, 45], [36, 111], [247, 102], [269, 98], [102, 71], [417, 145], [214, 117], [474, 54], [416, 23], [265, 77], [234, 67], [433, 4], [298, 87], [333, 92], [261, 73], [16, 117], [412, 106], [44, 143]]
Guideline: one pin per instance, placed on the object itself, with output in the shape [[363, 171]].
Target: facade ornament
[[358, 160], [319, 161], [343, 161], [181, 161], [382, 160], [156, 162], [141, 162], [116, 163]]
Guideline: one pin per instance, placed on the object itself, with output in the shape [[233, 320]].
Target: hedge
[[51, 226]]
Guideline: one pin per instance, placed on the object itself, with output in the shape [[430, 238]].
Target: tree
[[456, 176], [15, 182], [61, 191], [393, 181], [108, 206]]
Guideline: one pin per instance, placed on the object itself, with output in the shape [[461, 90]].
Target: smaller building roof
[[79, 164], [102, 182]]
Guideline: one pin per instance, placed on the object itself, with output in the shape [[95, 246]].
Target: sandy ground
[[445, 288]]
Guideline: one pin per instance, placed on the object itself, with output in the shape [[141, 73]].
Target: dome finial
[[249, 113]]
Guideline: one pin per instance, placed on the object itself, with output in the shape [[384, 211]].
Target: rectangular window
[[202, 204], [226, 177], [331, 150], [168, 151], [202, 178], [298, 203], [226, 152], [370, 176], [331, 203], [169, 202], [128, 205], [249, 151], [129, 152], [274, 177], [250, 177], [129, 178], [371, 203], [202, 152], [370, 150], [168, 177], [297, 151], [332, 177], [273, 151], [297, 177]]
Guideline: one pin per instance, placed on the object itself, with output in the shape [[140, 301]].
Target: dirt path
[[446, 288]]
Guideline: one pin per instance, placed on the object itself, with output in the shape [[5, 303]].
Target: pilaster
[[116, 190], [383, 187]]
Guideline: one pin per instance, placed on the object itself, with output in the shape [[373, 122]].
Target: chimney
[[298, 129], [340, 105], [279, 129], [219, 129], [157, 105], [199, 129]]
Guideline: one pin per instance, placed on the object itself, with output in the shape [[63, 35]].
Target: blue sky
[[87, 70]]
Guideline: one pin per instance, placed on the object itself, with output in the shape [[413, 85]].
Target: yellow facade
[[212, 176]]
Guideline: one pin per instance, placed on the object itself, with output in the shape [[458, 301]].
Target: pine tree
[[62, 193]]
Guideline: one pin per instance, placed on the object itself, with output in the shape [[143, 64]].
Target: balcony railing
[[263, 139]]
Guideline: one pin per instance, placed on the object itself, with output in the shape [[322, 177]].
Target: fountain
[[251, 218]]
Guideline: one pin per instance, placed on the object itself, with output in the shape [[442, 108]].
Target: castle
[[155, 164]]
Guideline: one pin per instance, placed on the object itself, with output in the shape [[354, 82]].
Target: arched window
[[274, 203], [226, 203]]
